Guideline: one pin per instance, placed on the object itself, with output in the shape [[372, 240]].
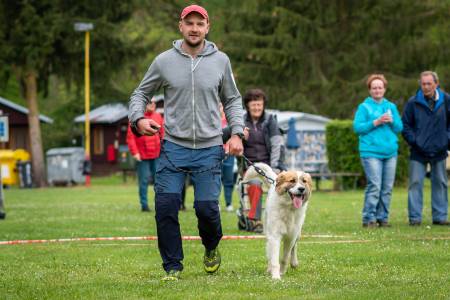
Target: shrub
[[343, 154]]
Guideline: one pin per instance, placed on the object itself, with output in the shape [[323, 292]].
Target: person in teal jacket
[[377, 123]]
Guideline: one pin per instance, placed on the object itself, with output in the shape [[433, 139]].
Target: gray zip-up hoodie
[[192, 88]]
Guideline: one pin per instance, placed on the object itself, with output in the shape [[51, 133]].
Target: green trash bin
[[127, 163]]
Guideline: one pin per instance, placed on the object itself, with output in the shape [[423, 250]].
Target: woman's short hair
[[373, 77], [254, 94]]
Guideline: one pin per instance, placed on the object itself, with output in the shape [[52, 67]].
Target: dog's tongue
[[298, 201]]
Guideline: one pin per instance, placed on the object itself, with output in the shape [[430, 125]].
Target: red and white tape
[[128, 238], [144, 238]]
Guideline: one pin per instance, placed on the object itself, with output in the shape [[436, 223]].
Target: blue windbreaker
[[427, 131]]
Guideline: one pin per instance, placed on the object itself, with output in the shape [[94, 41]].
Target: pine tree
[[314, 56], [38, 40]]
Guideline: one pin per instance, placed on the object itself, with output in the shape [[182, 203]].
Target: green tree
[[314, 56], [38, 40], [151, 29]]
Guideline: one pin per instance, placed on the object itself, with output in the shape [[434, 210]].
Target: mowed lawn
[[338, 258]]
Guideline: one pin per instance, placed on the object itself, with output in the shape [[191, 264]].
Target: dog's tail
[[252, 174]]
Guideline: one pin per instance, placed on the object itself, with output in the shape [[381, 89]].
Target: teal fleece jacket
[[380, 141]]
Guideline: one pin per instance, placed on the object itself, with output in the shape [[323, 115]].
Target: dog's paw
[[283, 269], [276, 277], [294, 261], [275, 274]]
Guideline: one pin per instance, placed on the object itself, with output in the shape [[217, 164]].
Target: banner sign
[[4, 129]]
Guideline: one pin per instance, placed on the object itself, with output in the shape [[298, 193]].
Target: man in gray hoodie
[[195, 77]]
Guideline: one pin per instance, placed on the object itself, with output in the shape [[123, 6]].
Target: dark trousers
[[168, 228], [168, 188]]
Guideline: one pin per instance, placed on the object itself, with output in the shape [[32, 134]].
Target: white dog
[[286, 205]]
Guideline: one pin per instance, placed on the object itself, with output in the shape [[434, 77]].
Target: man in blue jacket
[[426, 129]]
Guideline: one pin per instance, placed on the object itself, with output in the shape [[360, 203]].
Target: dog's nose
[[301, 189]]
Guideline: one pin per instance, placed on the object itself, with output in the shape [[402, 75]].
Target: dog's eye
[[292, 181], [304, 180]]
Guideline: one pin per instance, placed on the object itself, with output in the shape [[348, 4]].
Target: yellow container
[[8, 160]]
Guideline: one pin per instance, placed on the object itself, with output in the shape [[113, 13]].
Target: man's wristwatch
[[240, 134]]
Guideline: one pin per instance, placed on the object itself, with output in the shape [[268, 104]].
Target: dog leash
[[258, 170]]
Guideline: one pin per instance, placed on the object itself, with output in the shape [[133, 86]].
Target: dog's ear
[[281, 178], [308, 181]]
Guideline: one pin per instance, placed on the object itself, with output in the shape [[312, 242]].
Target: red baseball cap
[[194, 8]]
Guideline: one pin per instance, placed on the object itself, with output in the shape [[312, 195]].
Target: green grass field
[[400, 262]]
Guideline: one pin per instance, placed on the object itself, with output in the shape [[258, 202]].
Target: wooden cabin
[[109, 124], [17, 116]]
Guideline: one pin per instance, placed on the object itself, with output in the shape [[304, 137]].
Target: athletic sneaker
[[172, 275], [145, 208], [229, 208], [211, 260]]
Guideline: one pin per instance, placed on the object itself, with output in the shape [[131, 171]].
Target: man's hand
[[147, 127], [137, 157], [235, 146]]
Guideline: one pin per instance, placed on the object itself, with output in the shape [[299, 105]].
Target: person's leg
[[228, 179], [168, 186], [152, 168], [183, 197], [152, 171], [2, 207], [372, 169], [417, 171], [387, 183], [439, 197], [143, 172], [206, 202], [209, 225], [254, 191], [207, 187]]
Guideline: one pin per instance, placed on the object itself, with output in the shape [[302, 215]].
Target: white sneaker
[[229, 208]]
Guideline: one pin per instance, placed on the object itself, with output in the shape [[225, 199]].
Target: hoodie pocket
[[366, 140], [209, 124], [388, 143], [214, 124], [179, 123]]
